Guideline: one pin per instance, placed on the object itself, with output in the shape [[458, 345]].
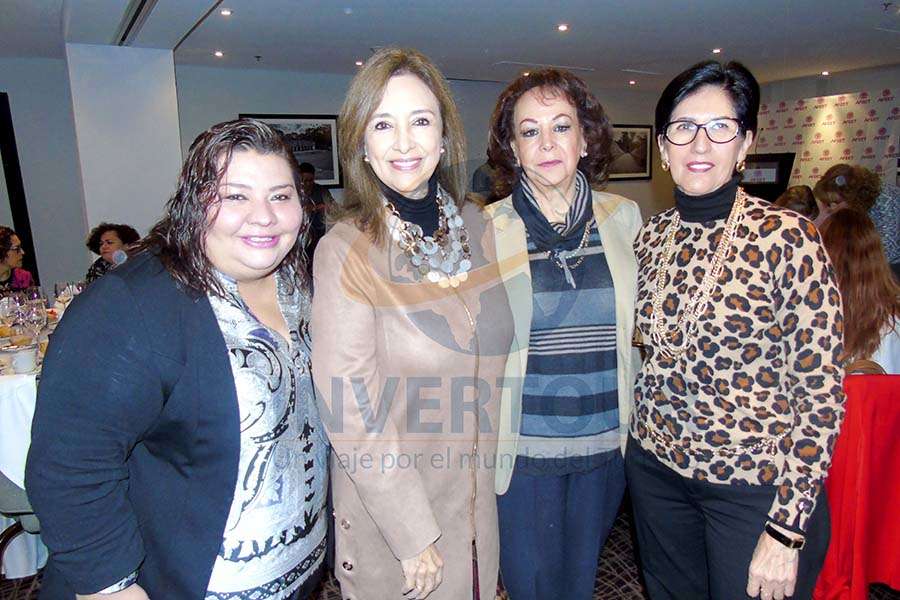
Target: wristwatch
[[783, 539], [121, 584]]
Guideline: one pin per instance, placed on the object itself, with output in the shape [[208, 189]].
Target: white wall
[[40, 103], [629, 107], [837, 83], [126, 122], [5, 208], [209, 95]]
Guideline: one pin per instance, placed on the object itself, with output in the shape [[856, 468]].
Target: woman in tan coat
[[411, 328]]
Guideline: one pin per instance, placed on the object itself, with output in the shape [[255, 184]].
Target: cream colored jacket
[[618, 221]]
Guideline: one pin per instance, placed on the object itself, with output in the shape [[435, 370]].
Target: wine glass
[[64, 293], [33, 317], [7, 310]]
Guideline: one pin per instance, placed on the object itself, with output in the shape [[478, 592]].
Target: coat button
[[345, 524], [348, 566]]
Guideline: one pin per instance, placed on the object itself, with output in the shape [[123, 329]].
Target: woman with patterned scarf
[[566, 256]]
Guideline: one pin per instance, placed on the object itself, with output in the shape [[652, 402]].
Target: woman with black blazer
[[176, 450]]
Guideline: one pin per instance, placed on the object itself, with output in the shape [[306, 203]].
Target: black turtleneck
[[707, 207], [423, 212]]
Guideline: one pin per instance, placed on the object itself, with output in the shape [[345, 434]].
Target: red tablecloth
[[864, 492]]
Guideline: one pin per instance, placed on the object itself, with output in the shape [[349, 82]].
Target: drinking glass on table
[[67, 290], [34, 293], [7, 311], [63, 292], [32, 316]]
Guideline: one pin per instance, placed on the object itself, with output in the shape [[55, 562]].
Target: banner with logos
[[861, 128]]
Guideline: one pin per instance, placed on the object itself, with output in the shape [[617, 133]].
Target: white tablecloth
[[18, 393]]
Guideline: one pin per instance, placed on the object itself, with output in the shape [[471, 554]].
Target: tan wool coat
[[408, 376]]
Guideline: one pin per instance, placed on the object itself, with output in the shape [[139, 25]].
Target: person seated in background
[[12, 275], [870, 293], [109, 240], [319, 200], [800, 199], [845, 186]]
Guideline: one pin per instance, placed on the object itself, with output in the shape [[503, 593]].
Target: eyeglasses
[[719, 131], [16, 249]]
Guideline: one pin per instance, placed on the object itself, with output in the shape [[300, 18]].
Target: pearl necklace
[[661, 332], [443, 258]]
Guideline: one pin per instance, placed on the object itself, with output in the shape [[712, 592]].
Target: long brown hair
[[179, 238], [362, 195], [871, 295], [591, 117]]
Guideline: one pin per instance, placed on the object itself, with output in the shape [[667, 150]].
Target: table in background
[[26, 554]]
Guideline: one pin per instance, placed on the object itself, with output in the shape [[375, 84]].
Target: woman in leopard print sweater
[[739, 400]]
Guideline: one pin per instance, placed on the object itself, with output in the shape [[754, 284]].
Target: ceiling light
[[826, 73], [218, 54], [562, 27], [632, 82], [716, 50], [526, 73], [226, 12], [359, 63]]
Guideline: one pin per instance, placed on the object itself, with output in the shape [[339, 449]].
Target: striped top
[[570, 415]]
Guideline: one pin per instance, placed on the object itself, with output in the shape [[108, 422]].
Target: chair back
[[864, 366], [14, 504]]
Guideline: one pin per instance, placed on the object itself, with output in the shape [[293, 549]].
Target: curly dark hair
[[591, 117], [6, 235], [179, 238], [126, 233]]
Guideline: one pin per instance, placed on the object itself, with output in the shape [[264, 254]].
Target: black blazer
[[136, 440]]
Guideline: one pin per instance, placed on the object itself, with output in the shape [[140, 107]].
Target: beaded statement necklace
[[443, 258], [663, 333]]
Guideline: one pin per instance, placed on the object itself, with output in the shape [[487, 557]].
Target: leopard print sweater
[[757, 398]]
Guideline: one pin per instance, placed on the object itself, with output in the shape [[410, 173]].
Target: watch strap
[[783, 539]]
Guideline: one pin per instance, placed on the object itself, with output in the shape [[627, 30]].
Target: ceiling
[[609, 42]]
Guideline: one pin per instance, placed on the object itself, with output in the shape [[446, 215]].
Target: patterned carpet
[[617, 575]]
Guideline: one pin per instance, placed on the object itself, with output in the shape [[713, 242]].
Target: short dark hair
[[306, 167], [126, 233], [733, 77], [591, 117], [179, 238], [6, 235]]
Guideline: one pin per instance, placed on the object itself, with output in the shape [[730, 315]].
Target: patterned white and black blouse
[[274, 540]]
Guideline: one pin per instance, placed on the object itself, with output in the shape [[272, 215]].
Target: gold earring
[[583, 153], [365, 158], [741, 166], [665, 165]]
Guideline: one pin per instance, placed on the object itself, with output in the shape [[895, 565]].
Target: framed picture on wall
[[313, 140], [631, 152]]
